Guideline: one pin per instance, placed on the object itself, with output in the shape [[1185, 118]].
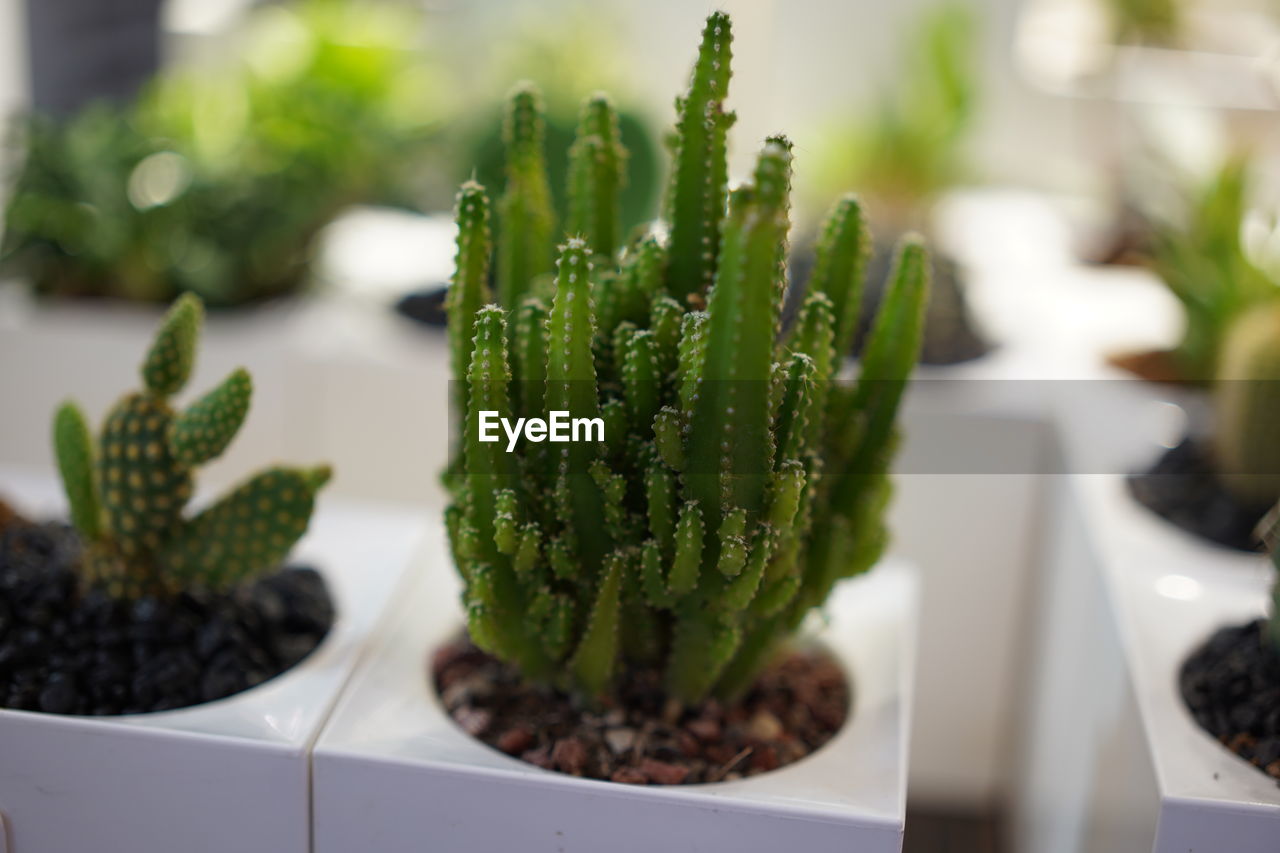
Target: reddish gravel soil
[[795, 707]]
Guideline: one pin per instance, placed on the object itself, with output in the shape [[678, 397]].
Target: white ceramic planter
[[1131, 593], [227, 775], [392, 772]]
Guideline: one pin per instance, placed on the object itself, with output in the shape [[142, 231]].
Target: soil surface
[[1231, 684], [68, 651], [795, 707], [1184, 489]]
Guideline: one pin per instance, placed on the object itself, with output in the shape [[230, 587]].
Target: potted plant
[[147, 653], [1232, 682], [1135, 767], [629, 597], [217, 181], [1146, 761], [1200, 255], [1220, 486]]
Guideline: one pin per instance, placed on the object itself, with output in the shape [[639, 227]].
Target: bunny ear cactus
[[1247, 402], [736, 482], [127, 491]]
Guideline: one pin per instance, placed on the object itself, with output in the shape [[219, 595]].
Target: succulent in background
[[1203, 260], [128, 490], [901, 156], [905, 152], [217, 180], [1247, 401], [737, 481]]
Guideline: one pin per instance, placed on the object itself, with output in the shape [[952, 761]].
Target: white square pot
[[392, 772], [1160, 593], [226, 775]]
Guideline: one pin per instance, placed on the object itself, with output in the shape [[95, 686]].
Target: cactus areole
[[127, 490], [736, 481]]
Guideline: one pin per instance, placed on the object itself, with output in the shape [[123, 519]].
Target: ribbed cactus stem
[[525, 218], [571, 387], [696, 199], [469, 290], [840, 261], [731, 417], [891, 351], [597, 175]]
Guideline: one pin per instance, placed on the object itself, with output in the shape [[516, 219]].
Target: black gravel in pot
[[1231, 685], [1183, 488], [67, 652]]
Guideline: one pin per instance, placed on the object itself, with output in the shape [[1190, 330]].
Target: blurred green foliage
[[908, 149], [217, 179], [1153, 22], [1202, 257], [569, 59]]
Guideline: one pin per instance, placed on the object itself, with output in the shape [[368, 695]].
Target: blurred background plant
[[1150, 22], [901, 155], [1219, 256], [217, 179], [569, 58]]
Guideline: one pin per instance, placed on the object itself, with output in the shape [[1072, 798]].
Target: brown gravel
[[794, 708]]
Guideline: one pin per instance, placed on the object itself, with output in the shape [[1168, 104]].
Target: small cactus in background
[[128, 490], [1247, 400], [737, 481]]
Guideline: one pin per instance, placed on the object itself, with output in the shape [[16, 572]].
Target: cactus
[[127, 494], [737, 482], [1247, 405]]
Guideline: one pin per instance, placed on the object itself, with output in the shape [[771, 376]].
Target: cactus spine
[[1247, 401], [737, 481], [128, 493]]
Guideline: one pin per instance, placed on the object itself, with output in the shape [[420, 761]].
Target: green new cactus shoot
[[128, 490], [737, 482]]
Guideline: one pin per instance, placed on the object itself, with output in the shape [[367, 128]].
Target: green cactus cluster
[[127, 491], [738, 481], [1247, 407]]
